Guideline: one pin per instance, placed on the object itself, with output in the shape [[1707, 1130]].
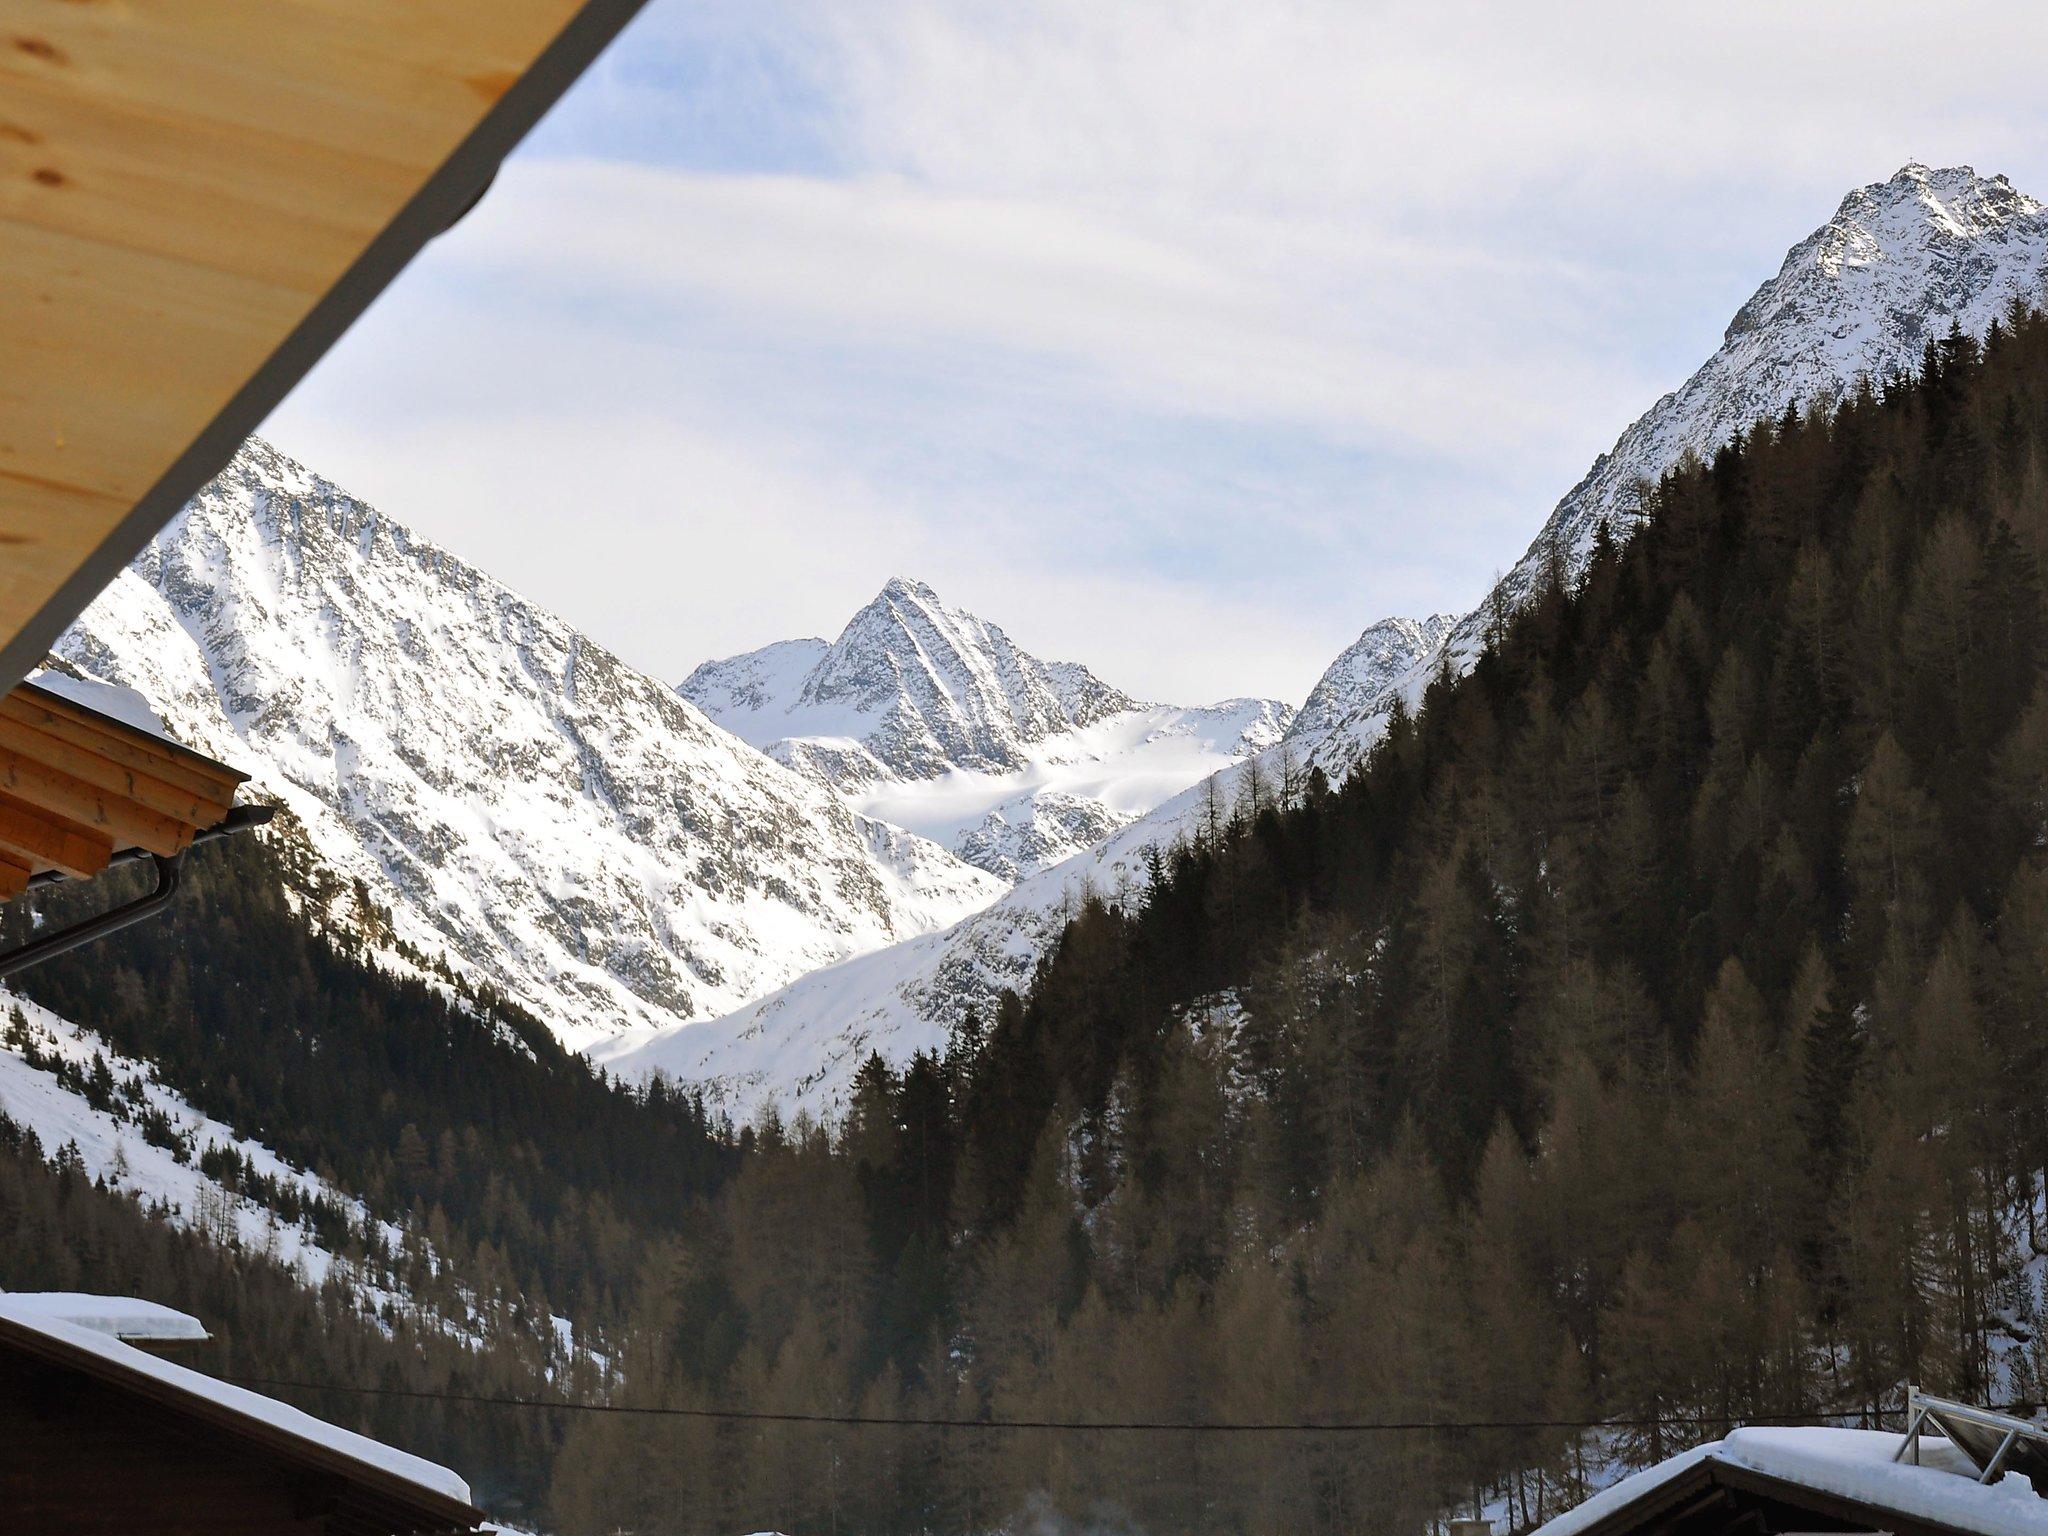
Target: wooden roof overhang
[[80, 790], [95, 1447], [197, 197]]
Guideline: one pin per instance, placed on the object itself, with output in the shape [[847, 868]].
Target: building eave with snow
[[1774, 1482], [102, 1437]]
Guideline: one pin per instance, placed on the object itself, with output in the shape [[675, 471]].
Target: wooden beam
[[196, 200], [51, 842], [14, 875], [196, 775], [127, 823], [102, 772]]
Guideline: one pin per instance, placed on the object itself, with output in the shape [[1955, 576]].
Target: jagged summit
[[910, 689], [1895, 266], [519, 798], [926, 716], [946, 689]]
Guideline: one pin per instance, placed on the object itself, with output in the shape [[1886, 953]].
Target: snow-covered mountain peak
[[520, 799], [1895, 266], [1925, 233], [946, 689], [929, 717]]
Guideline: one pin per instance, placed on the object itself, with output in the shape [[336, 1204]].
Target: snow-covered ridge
[[147, 1141], [1896, 264], [800, 1046], [1361, 682], [522, 801], [927, 717], [920, 687]]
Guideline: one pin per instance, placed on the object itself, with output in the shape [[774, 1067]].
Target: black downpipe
[[168, 872], [64, 940]]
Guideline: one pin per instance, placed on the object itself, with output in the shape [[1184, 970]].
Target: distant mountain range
[[524, 804], [931, 719], [1898, 264], [826, 847]]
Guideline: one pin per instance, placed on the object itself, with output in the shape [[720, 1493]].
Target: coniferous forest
[[1652, 1035]]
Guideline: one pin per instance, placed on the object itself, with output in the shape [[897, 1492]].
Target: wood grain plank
[[51, 842], [180, 186], [215, 782], [101, 771], [125, 823]]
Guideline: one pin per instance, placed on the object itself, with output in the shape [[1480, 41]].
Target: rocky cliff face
[[524, 803]]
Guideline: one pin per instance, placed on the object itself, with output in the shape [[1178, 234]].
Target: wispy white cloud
[[891, 265], [1181, 336]]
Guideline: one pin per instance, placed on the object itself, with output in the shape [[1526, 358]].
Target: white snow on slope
[[1897, 262], [930, 718], [111, 1146], [521, 800], [1361, 682], [799, 1047], [1075, 788]]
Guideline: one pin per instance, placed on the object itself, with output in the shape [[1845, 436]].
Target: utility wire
[[1080, 1426]]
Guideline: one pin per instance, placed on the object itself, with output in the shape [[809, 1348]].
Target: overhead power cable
[[1084, 1426]]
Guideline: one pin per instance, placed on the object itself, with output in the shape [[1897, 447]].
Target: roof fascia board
[[441, 200]]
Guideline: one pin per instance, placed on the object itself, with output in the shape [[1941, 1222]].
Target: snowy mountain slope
[[147, 1141], [1898, 261], [799, 1047], [136, 1134], [929, 718], [1363, 677], [522, 801], [1897, 264]]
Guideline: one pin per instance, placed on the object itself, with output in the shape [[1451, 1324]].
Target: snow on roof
[[1624, 1493], [121, 1317], [110, 699], [1857, 1464], [1853, 1464], [316, 1433]]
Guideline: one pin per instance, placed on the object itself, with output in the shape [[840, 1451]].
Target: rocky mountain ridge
[[526, 805], [928, 717]]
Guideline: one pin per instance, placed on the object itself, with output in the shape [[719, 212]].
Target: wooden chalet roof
[[104, 1439], [1782, 1481], [78, 787], [196, 199]]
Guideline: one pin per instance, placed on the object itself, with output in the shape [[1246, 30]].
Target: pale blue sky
[[1180, 339]]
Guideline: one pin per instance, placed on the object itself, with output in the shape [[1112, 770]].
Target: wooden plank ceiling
[[77, 787], [196, 198]]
